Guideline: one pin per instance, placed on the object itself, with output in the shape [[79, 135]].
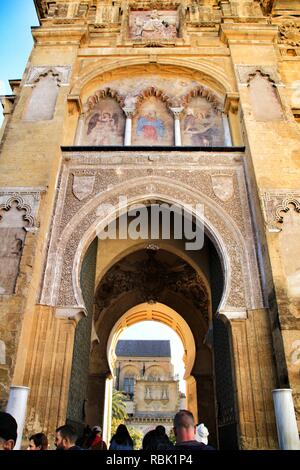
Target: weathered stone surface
[[251, 198]]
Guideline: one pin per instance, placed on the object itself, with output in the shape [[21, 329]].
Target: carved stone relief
[[42, 102], [223, 186], [275, 203], [61, 72], [151, 278], [289, 33], [83, 186], [245, 71], [16, 217], [264, 98], [184, 178], [153, 24]]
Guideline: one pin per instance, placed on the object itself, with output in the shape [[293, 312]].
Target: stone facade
[[222, 83], [152, 390]]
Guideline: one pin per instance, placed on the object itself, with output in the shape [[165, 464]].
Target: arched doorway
[[188, 285]]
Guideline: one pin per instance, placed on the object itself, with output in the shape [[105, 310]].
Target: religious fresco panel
[[153, 24], [202, 126], [105, 125], [153, 124]]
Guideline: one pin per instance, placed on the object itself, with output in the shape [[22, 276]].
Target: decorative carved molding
[[61, 72], [26, 199], [289, 33], [246, 72], [102, 94], [223, 186], [83, 186], [150, 278], [153, 91], [285, 207], [277, 202], [185, 179], [204, 93]]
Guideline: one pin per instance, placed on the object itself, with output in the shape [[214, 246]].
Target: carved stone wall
[[139, 179], [18, 225]]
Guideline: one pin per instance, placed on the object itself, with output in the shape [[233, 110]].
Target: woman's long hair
[[122, 435]]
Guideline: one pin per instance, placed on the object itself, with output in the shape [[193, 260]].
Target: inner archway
[[189, 286], [151, 361]]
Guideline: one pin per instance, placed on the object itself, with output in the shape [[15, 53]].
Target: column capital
[[231, 104], [177, 111], [70, 313], [75, 104], [130, 112]]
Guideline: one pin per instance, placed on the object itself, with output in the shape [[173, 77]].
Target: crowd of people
[[188, 437]]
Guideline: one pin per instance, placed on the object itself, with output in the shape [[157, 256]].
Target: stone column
[[79, 131], [231, 108], [49, 365], [177, 130], [128, 127], [227, 134], [17, 406], [287, 429], [107, 410], [255, 376]]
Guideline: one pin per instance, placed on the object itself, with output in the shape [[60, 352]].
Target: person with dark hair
[[38, 442], [185, 432], [157, 440], [83, 439], [121, 440], [150, 441], [65, 438], [8, 431], [164, 440]]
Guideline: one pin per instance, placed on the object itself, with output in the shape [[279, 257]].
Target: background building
[[181, 102], [144, 372]]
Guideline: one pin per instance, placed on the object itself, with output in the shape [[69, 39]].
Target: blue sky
[[16, 19]]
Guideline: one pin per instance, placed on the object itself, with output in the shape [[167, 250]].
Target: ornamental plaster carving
[[246, 72], [83, 186], [223, 186], [151, 278], [184, 179], [277, 202], [62, 73], [26, 199], [289, 33]]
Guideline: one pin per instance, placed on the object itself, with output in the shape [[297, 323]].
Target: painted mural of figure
[[199, 126], [102, 128], [150, 127]]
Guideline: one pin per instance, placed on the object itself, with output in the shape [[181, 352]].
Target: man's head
[[160, 430], [38, 442], [65, 437], [8, 431], [184, 426]]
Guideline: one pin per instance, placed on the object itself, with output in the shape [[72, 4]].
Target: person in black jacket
[[185, 432]]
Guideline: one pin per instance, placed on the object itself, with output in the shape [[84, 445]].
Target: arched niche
[[42, 102], [202, 124], [104, 124], [264, 97], [153, 123]]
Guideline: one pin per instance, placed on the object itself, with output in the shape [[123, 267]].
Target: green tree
[[118, 405], [137, 437]]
